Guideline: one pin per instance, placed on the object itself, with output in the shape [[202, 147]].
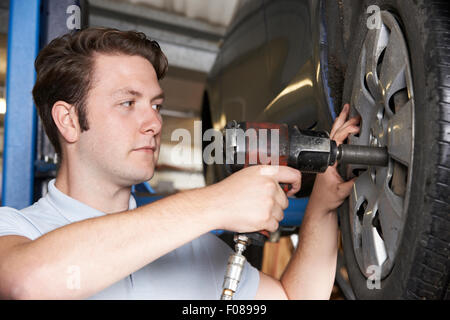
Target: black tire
[[422, 264]]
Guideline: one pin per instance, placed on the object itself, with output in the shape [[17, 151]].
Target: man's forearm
[[311, 271], [106, 249]]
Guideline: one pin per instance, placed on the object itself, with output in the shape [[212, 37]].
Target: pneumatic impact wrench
[[253, 143]]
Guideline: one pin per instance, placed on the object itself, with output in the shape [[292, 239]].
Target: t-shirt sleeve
[[12, 222]]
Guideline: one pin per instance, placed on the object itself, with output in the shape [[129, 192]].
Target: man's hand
[[330, 190], [252, 199]]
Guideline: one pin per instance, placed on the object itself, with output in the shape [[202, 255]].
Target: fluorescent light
[[2, 106]]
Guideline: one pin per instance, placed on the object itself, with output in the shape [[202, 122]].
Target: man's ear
[[66, 119]]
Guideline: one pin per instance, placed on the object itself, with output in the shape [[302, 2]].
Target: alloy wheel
[[383, 96]]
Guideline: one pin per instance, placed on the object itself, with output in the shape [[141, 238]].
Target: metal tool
[[253, 143], [235, 266]]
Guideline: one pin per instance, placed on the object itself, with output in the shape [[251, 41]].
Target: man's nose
[[151, 121]]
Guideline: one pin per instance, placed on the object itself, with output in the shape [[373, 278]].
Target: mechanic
[[98, 96]]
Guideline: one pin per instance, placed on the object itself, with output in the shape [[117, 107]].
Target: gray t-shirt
[[192, 271]]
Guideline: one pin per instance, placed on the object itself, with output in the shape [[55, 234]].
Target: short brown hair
[[65, 68]]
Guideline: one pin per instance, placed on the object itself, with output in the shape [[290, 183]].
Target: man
[[99, 98]]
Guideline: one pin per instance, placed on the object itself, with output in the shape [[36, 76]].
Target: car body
[[279, 63]]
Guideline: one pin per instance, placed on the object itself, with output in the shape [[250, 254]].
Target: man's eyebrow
[[127, 91], [136, 93], [159, 96]]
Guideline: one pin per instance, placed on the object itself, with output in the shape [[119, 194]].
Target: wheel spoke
[[364, 104], [392, 76], [363, 238], [373, 248], [375, 43], [363, 190], [364, 187], [400, 134], [390, 208], [380, 176]]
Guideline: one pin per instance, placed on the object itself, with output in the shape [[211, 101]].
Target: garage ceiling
[[188, 32], [217, 12]]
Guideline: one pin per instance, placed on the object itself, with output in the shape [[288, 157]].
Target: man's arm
[[106, 249], [103, 250], [311, 271]]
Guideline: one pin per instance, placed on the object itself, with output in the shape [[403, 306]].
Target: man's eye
[[157, 107], [127, 103]]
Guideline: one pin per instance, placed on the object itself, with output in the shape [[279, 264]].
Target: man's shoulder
[[9, 213], [14, 222], [32, 221]]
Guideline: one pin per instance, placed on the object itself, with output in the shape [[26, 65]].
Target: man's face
[[124, 134]]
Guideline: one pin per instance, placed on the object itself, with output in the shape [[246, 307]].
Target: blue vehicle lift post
[[20, 118], [32, 24]]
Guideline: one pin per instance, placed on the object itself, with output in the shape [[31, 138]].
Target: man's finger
[[351, 122], [292, 192], [355, 121], [345, 188], [340, 120], [343, 134], [281, 198], [283, 174], [278, 214], [272, 225]]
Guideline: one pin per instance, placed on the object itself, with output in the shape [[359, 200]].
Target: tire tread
[[430, 281]]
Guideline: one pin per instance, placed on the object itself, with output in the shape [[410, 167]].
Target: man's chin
[[144, 178], [137, 177]]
